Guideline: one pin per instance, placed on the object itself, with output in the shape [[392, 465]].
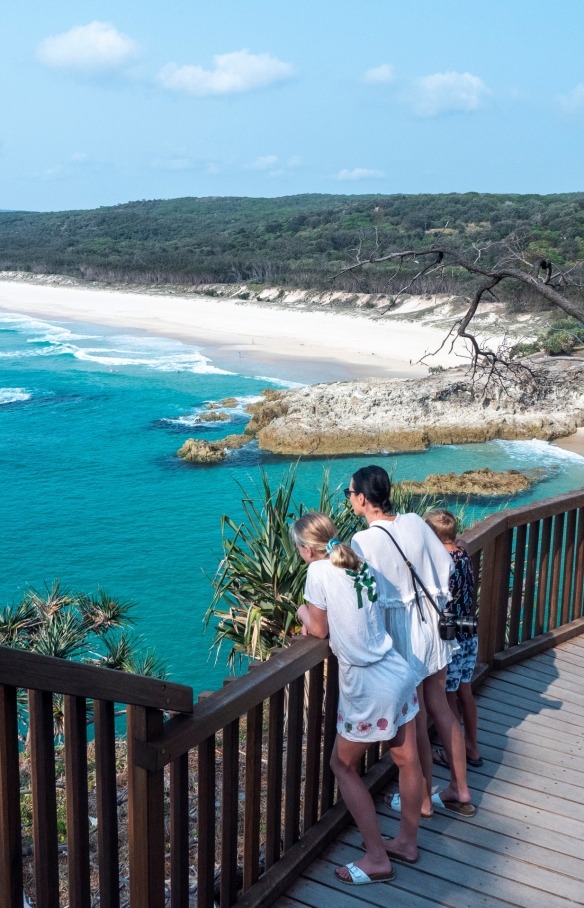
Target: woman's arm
[[314, 620]]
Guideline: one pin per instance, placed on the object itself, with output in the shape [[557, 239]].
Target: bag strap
[[416, 579]]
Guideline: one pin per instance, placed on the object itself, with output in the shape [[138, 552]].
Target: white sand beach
[[363, 345]]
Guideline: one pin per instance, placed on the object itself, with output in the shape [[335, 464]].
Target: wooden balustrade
[[232, 796]]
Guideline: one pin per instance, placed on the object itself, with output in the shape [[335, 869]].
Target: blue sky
[[105, 102]]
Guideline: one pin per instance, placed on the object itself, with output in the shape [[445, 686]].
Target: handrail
[[62, 676], [487, 529], [226, 705]]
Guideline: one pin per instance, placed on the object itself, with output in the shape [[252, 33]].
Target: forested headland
[[299, 241]]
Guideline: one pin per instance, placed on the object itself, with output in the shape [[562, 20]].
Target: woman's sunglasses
[[348, 492]]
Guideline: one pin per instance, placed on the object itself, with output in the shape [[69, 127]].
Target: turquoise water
[[92, 492]]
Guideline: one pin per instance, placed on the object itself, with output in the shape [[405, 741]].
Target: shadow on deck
[[525, 845]]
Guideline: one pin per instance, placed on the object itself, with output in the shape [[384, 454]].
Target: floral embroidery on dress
[[415, 700], [396, 719], [382, 724], [363, 580], [404, 709], [364, 727], [348, 726], [340, 717]]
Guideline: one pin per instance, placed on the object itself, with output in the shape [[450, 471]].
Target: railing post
[[10, 831], [494, 596], [145, 814], [77, 802], [44, 800]]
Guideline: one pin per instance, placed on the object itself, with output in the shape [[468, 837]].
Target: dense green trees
[[296, 240]]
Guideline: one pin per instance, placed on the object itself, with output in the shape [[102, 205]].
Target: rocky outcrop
[[195, 450], [483, 483], [395, 415], [213, 416]]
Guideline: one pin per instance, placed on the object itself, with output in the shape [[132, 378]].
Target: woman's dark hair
[[374, 483]]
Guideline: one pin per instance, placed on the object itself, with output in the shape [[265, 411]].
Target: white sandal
[[360, 878], [394, 803]]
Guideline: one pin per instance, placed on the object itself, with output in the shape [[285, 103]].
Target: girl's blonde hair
[[316, 530], [443, 523]]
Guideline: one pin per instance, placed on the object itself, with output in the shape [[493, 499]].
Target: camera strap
[[416, 579]]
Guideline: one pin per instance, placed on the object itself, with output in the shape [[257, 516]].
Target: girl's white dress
[[416, 640], [377, 690]]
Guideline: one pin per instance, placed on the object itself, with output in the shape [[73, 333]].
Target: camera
[[449, 624]]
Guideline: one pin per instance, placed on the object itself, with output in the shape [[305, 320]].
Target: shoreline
[[352, 346], [573, 443]]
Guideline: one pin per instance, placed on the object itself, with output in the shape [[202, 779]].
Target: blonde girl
[[377, 692]]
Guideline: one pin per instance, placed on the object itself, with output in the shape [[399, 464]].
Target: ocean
[[94, 494]]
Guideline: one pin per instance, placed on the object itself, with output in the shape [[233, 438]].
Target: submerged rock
[[213, 416], [476, 483], [394, 415], [195, 450]]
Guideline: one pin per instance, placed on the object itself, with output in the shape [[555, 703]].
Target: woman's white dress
[[377, 690], [417, 640]]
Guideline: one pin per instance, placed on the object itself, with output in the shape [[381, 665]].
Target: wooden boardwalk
[[525, 846]]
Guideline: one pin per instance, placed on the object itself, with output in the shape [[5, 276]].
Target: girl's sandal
[[464, 811], [360, 878]]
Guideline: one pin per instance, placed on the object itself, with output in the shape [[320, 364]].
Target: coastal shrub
[[85, 628], [563, 335], [259, 583]]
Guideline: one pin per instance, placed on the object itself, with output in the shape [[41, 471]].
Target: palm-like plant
[[260, 581], [86, 628]]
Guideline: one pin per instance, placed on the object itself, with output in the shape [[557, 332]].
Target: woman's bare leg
[[424, 751], [345, 762], [404, 753], [448, 727]]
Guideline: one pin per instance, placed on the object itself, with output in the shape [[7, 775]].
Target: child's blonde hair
[[444, 525], [316, 530]]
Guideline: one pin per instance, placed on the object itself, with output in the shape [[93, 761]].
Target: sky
[[104, 103]]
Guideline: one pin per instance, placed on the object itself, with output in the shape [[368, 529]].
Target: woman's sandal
[[394, 857], [464, 811], [394, 803], [439, 758], [360, 878]]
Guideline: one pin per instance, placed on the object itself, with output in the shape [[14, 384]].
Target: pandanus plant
[[86, 628]]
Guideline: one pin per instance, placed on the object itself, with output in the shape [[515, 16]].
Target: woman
[[377, 692], [412, 623]]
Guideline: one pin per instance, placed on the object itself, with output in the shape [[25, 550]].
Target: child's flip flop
[[360, 878], [464, 811], [439, 757]]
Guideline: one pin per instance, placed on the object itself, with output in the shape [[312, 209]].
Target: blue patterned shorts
[[462, 666]]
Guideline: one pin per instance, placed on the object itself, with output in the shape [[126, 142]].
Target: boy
[[460, 670]]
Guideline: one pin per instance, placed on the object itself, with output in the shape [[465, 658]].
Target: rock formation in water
[[397, 415], [483, 483], [196, 450]]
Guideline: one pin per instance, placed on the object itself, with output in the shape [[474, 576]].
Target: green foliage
[[88, 628], [295, 240], [260, 581], [563, 335]]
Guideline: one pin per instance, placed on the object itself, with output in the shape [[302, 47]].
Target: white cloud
[[379, 74], [447, 92], [88, 48], [236, 72], [359, 173], [79, 157], [295, 161], [573, 102], [267, 162]]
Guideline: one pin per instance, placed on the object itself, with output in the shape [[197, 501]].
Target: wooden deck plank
[[567, 689], [476, 869], [548, 800], [319, 888], [490, 720], [532, 765], [532, 689], [545, 718], [513, 693], [551, 850], [564, 663], [546, 752]]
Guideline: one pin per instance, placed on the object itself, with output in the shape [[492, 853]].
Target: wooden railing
[[231, 798]]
